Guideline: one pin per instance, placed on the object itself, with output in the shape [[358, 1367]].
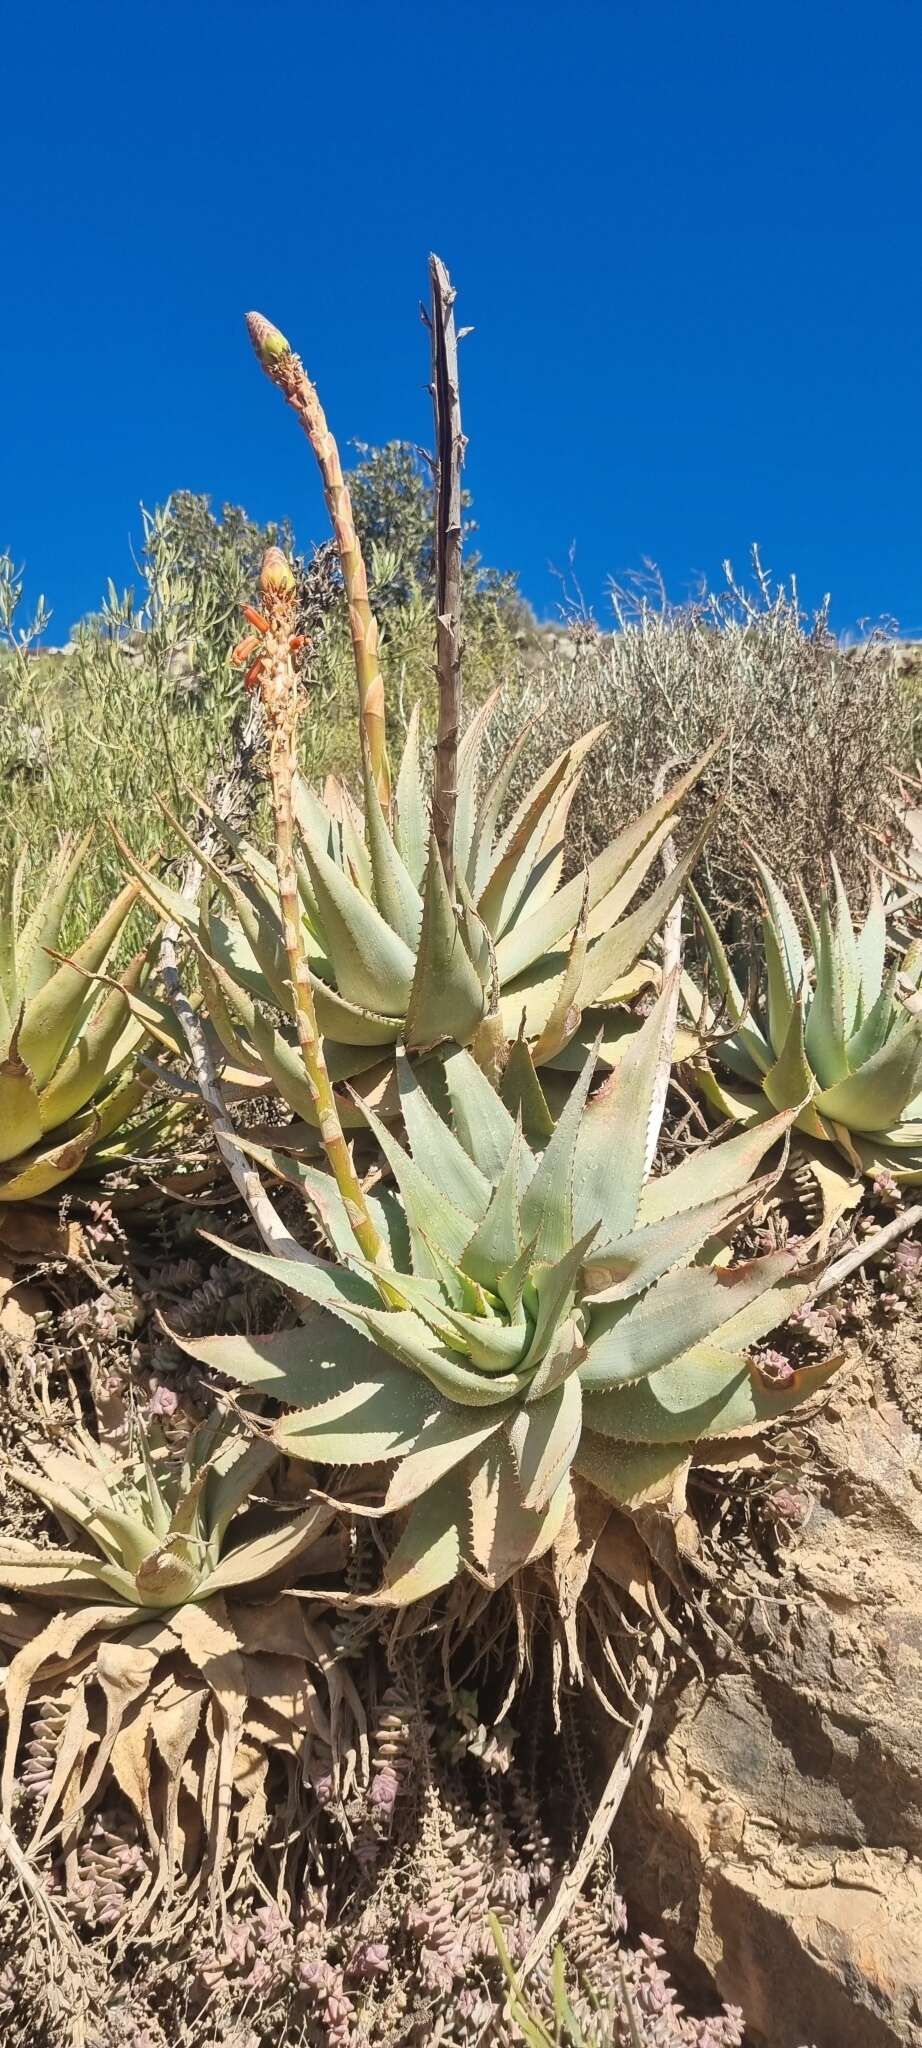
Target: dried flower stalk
[[287, 371], [449, 454]]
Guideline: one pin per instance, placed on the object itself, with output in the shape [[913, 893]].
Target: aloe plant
[[834, 1030], [547, 1316], [392, 957], [67, 1042], [156, 1524], [171, 1632]]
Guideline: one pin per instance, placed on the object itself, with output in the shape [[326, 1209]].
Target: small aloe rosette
[[835, 1028], [155, 1648], [551, 1316]]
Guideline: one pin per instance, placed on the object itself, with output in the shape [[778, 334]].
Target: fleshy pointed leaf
[[21, 1124], [470, 752], [503, 1535], [499, 900], [877, 1095], [790, 1081], [537, 934], [498, 1239], [784, 925], [827, 1032], [748, 1052], [396, 894], [614, 955], [428, 1555], [630, 1340], [66, 996], [543, 1438], [445, 1439], [524, 1096], [612, 1142], [433, 1139], [480, 1117], [411, 807], [714, 1170], [38, 938], [713, 1393], [548, 1202], [447, 999], [872, 946], [617, 1271], [430, 1211], [373, 966]]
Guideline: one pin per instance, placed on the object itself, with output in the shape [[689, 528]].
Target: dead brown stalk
[[449, 456]]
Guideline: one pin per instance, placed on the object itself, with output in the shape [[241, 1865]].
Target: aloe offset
[[835, 1030], [68, 1080]]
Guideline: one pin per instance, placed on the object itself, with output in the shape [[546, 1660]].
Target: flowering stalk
[[288, 373], [273, 674]]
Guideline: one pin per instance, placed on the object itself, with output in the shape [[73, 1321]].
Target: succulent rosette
[[835, 1029], [550, 1316]]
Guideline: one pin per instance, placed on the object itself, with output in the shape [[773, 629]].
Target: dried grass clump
[[814, 728]]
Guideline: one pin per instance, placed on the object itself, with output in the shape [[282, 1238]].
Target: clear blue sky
[[688, 236]]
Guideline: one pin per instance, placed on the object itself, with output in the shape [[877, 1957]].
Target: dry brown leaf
[[621, 1554], [572, 1553], [274, 1681], [207, 1636], [73, 1745], [29, 1234], [274, 1625], [129, 1761], [251, 1769], [174, 1728], [123, 1673], [174, 1725], [59, 1639], [571, 1559], [20, 1308], [265, 1554], [21, 1621]]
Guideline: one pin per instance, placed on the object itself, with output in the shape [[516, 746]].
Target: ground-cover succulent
[[68, 1079], [543, 1318], [835, 1030], [172, 1667], [636, 2007]]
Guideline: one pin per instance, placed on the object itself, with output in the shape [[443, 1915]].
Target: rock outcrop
[[773, 1833]]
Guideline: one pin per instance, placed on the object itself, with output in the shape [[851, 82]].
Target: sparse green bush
[[141, 697], [814, 729], [146, 679]]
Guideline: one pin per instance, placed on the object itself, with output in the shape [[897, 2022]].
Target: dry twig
[[871, 1249], [449, 455], [571, 1884]]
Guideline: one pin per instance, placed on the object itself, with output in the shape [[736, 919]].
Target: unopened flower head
[[276, 574], [270, 344]]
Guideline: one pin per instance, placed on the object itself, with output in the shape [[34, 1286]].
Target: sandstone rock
[[773, 1833]]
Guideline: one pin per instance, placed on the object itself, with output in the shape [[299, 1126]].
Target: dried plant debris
[[174, 1668], [385, 1938]]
